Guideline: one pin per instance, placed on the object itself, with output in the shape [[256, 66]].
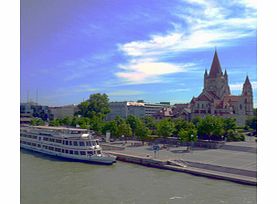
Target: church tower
[[247, 93], [215, 81]]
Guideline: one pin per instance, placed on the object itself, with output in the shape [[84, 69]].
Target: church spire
[[215, 68], [247, 81]]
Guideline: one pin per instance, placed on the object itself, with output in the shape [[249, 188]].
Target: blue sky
[[156, 50]]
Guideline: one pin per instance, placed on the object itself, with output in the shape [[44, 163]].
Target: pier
[[225, 164]]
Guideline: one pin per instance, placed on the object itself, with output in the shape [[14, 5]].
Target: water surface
[[47, 180]]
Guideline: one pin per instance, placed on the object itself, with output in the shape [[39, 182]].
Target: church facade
[[216, 99]]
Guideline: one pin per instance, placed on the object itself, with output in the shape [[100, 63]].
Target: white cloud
[[125, 93], [206, 27], [138, 72], [239, 86]]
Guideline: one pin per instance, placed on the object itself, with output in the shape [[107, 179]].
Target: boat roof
[[59, 128]]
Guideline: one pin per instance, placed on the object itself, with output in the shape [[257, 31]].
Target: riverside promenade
[[235, 161]]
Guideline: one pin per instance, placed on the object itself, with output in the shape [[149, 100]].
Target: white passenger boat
[[70, 143]]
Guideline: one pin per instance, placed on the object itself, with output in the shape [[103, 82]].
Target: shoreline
[[205, 170]]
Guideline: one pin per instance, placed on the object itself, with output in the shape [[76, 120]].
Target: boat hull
[[103, 159]]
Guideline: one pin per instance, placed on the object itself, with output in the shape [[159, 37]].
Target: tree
[[165, 128], [180, 123], [124, 129], [55, 122], [142, 131], [189, 135], [133, 121], [196, 120], [211, 126], [97, 105], [229, 124], [251, 122], [96, 124], [67, 121], [37, 121], [149, 122], [110, 126]]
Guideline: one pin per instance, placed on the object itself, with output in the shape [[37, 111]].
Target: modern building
[[61, 112], [216, 98], [125, 108], [153, 108], [35, 110]]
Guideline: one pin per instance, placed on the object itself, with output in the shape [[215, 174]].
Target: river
[[47, 180]]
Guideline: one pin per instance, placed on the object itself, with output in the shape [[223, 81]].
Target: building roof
[[232, 98], [215, 67]]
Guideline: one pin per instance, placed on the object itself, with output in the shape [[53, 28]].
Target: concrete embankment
[[199, 169]]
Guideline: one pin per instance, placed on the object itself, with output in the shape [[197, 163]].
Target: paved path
[[232, 158]]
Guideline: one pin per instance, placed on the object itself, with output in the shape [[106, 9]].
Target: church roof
[[247, 81], [232, 98], [215, 68], [213, 94]]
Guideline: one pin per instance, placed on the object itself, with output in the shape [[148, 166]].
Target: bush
[[233, 136]]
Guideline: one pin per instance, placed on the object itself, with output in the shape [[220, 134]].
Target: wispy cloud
[[83, 66], [147, 70], [203, 24], [239, 86], [126, 93]]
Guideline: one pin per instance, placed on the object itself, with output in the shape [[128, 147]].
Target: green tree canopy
[[251, 122], [124, 129], [133, 121], [180, 123], [110, 126], [149, 122], [189, 135], [97, 105], [37, 121], [165, 128], [229, 124], [211, 126], [142, 131]]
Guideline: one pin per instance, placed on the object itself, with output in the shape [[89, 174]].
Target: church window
[[202, 105], [240, 106]]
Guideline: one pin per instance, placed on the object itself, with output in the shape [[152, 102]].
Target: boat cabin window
[[70, 151], [90, 152], [51, 148], [82, 143], [62, 150], [45, 138], [66, 142], [57, 149], [88, 143], [70, 143], [76, 152], [82, 152], [66, 151], [75, 143], [39, 145], [58, 141]]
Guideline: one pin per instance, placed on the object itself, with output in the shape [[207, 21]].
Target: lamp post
[[191, 141]]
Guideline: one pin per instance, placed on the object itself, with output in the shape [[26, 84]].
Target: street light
[[191, 141]]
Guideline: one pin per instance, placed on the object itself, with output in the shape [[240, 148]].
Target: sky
[[154, 50]]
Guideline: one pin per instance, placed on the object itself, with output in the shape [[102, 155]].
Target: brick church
[[216, 98]]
